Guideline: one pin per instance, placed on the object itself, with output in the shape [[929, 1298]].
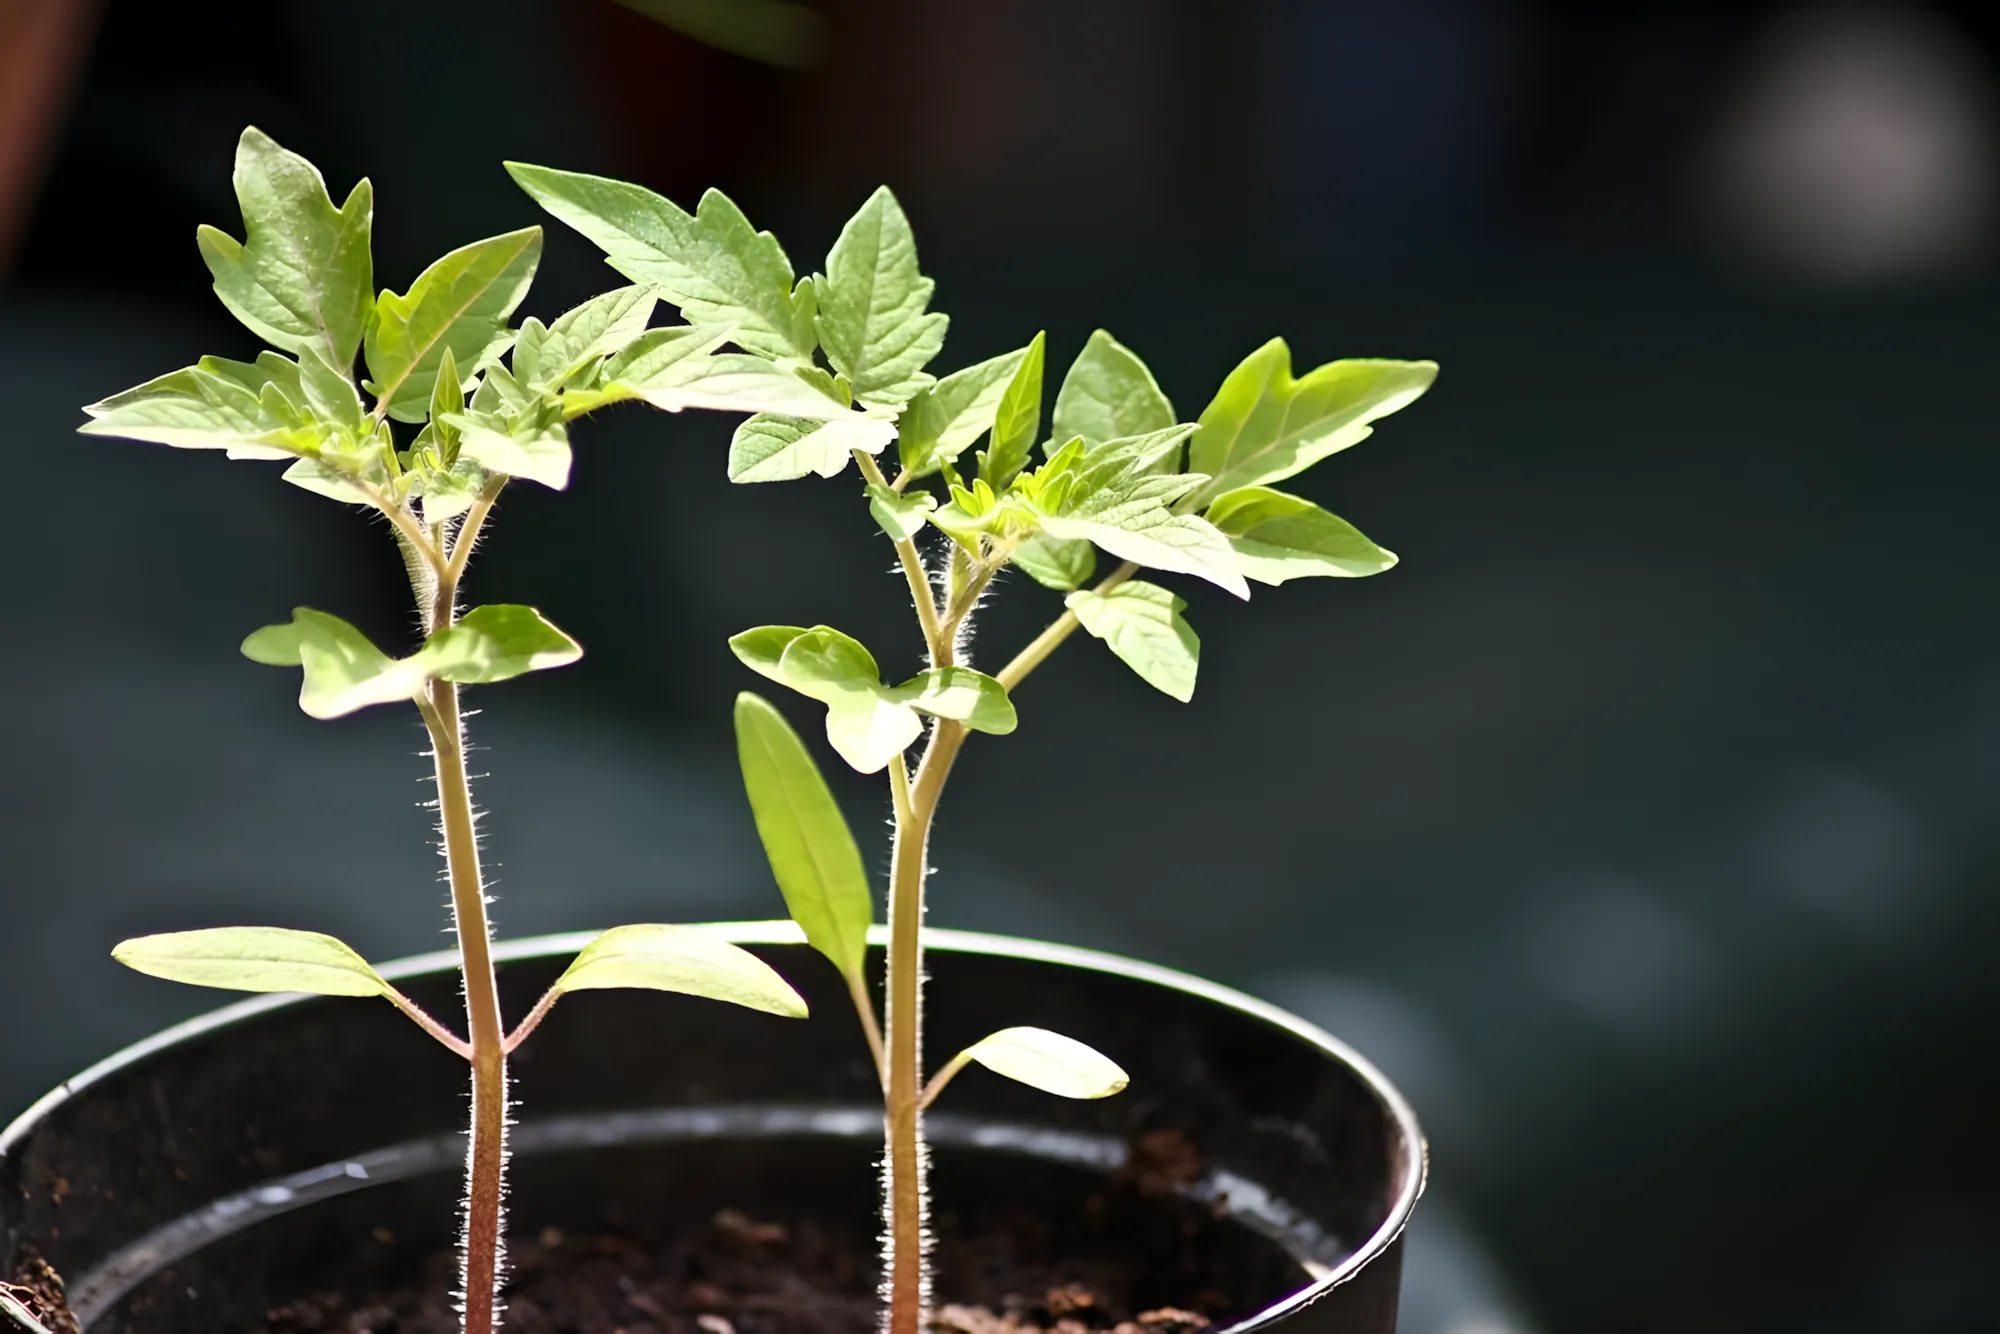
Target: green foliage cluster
[[452, 400]]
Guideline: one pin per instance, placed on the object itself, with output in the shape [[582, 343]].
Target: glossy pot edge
[[787, 933]]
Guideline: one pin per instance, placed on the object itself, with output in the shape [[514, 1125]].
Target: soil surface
[[744, 1276]]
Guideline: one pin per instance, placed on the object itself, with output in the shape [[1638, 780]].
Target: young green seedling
[[1120, 473], [462, 403]]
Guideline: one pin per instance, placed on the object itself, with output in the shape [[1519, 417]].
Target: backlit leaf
[[811, 849], [249, 410], [1016, 420], [902, 517], [1142, 624], [872, 305], [1146, 532], [1049, 1062], [683, 959], [494, 643], [961, 694], [944, 420], [1264, 426], [462, 302], [254, 958], [1109, 394], [772, 448], [1055, 563], [343, 670], [712, 264], [301, 277], [1279, 537]]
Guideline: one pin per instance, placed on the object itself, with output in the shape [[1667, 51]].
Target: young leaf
[[713, 265], [1264, 426], [254, 958], [462, 303], [940, 423], [772, 448], [1049, 1062], [1146, 532], [600, 327], [1054, 563], [1142, 624], [867, 723], [961, 694], [523, 446], [682, 959], [1279, 537], [241, 408], [314, 476], [1109, 394], [902, 517], [1016, 421], [872, 305], [495, 643], [343, 671], [301, 278], [811, 849]]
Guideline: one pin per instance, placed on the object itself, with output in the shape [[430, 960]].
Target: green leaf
[[961, 694], [249, 411], [940, 423], [1146, 532], [600, 327], [314, 476], [1109, 394], [869, 723], [772, 448], [343, 671], [812, 851], [1279, 537], [523, 447], [460, 303], [1049, 1062], [1054, 563], [902, 517], [254, 958], [1264, 426], [872, 305], [1016, 420], [682, 959], [1142, 624], [302, 277], [329, 394], [713, 265], [494, 643]]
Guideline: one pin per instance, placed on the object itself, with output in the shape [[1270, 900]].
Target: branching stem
[[452, 1041], [1049, 640], [921, 591]]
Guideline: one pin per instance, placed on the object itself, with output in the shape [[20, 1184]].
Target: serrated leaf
[[872, 305], [772, 448], [254, 958], [1054, 563], [314, 476], [683, 959], [1146, 532], [810, 846], [1142, 624], [713, 265], [302, 277], [1049, 1062], [1016, 420], [600, 327], [462, 302], [944, 420], [1109, 394], [961, 694], [901, 517], [494, 643], [250, 411], [1264, 426], [1279, 536]]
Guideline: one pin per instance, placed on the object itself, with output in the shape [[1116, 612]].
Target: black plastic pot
[[285, 1145]]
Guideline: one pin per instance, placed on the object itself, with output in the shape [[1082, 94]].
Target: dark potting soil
[[742, 1276]]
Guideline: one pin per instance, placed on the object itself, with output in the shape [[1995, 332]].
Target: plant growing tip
[[1120, 473]]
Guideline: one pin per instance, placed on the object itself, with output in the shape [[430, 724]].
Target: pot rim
[[784, 932]]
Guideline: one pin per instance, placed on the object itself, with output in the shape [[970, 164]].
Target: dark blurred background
[[1640, 823]]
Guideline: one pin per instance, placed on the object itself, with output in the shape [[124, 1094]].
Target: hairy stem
[[906, 1281], [921, 591], [486, 1153]]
